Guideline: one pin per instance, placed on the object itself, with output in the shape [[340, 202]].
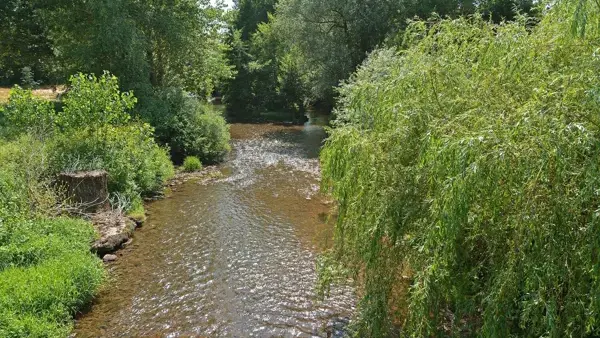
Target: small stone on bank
[[109, 258]]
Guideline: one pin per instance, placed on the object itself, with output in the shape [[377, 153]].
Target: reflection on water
[[231, 258]]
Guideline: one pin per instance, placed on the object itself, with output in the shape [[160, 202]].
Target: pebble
[[109, 258]]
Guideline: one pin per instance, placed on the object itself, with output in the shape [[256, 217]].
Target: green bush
[[191, 164], [92, 131], [93, 102], [136, 165], [26, 113], [466, 170], [188, 127]]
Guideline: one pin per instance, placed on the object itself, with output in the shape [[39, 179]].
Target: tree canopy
[[325, 41]]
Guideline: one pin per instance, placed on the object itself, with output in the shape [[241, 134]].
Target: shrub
[[136, 165], [205, 134], [93, 102], [188, 127], [466, 170], [28, 78], [191, 164], [25, 113], [93, 131]]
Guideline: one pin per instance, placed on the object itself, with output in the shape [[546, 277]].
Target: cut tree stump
[[86, 191]]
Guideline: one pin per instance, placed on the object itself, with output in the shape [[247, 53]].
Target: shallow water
[[233, 257]]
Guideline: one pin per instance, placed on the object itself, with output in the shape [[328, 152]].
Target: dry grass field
[[45, 93]]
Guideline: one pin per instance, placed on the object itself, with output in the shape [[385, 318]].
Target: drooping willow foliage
[[467, 170]]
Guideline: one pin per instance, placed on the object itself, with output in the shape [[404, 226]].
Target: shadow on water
[[231, 258]]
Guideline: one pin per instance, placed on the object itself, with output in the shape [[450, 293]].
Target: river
[[232, 257]]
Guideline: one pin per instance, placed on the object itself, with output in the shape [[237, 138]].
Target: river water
[[233, 257]]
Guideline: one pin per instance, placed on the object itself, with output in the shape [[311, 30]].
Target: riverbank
[[47, 270], [116, 229]]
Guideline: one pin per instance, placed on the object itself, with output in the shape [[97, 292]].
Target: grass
[[47, 274], [192, 164], [137, 212]]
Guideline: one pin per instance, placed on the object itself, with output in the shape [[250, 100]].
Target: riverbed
[[232, 257]]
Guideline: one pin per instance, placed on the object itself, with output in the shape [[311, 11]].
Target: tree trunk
[[86, 191]]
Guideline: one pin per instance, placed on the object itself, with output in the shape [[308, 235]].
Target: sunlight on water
[[231, 258]]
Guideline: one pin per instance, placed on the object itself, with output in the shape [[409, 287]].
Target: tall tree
[[241, 99], [335, 36], [23, 41]]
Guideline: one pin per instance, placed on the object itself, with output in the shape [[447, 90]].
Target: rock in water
[[86, 191], [113, 229]]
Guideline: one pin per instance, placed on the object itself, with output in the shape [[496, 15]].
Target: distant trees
[[23, 42], [324, 41], [147, 44], [253, 86]]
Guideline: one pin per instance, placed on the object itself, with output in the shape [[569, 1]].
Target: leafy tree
[[465, 168], [24, 41], [253, 86], [335, 36]]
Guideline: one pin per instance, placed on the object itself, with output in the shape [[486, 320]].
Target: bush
[[191, 164], [93, 131], [25, 113], [188, 127], [136, 165], [28, 78], [466, 170], [93, 102]]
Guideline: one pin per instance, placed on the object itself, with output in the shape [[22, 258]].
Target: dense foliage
[[295, 57], [465, 166], [151, 45], [47, 272], [188, 126], [93, 130]]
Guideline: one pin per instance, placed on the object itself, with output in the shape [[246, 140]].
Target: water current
[[231, 257]]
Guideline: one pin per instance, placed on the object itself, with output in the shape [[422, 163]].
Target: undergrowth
[[47, 272]]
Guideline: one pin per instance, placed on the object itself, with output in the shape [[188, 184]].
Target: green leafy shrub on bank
[[191, 164], [136, 165], [93, 131], [466, 170], [187, 126]]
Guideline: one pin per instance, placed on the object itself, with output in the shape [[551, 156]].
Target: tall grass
[[466, 169]]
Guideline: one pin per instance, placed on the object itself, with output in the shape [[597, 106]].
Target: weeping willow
[[467, 171]]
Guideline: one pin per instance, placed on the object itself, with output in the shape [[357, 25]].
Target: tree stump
[[86, 191]]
